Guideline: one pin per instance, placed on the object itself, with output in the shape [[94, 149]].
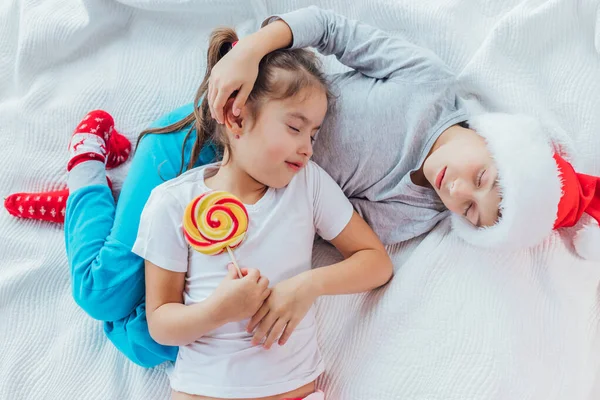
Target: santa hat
[[541, 191]]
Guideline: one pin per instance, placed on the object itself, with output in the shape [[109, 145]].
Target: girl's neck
[[231, 178]]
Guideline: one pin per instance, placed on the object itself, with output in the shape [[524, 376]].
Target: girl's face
[[464, 175], [278, 143]]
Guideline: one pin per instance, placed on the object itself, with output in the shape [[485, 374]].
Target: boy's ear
[[233, 123]]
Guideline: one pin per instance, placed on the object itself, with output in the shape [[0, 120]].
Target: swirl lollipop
[[214, 222]]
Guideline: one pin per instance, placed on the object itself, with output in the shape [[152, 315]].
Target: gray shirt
[[390, 110]]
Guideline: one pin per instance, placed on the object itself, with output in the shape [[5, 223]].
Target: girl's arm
[[366, 266], [170, 322], [173, 323], [362, 47]]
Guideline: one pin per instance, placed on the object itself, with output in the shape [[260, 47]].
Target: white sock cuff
[[87, 173]]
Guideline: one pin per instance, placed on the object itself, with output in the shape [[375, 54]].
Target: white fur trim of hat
[[528, 180]]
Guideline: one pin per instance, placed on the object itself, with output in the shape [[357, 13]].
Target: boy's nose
[[459, 189]]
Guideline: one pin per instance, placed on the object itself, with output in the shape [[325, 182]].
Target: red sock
[[46, 206], [95, 139], [119, 148]]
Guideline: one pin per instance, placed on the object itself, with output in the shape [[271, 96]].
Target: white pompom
[[587, 242]]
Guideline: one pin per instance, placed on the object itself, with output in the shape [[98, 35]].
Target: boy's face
[[464, 175]]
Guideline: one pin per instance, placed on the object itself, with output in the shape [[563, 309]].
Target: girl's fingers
[[260, 314], [275, 333], [263, 282], [263, 328], [266, 294], [291, 325]]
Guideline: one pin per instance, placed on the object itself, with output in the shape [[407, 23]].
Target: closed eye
[[479, 177], [466, 214], [467, 209], [294, 129]]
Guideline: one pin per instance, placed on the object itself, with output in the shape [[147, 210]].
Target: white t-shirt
[[279, 242]]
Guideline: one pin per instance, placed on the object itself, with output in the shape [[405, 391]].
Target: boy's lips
[[440, 178]]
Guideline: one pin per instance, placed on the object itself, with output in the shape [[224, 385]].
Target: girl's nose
[[307, 148]]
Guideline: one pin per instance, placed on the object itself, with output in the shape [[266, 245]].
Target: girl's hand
[[238, 299], [279, 315], [236, 71]]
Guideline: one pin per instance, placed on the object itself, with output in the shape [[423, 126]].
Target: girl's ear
[[234, 124]]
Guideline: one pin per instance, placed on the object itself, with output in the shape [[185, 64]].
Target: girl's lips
[[295, 167], [440, 178]]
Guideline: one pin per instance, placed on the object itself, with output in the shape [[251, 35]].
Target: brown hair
[[302, 68]]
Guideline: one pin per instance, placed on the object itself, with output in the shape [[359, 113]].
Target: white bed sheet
[[455, 322]]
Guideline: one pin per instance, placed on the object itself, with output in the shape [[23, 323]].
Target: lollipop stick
[[239, 271]]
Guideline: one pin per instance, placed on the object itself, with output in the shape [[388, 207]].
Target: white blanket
[[455, 322]]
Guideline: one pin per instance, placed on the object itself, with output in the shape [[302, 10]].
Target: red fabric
[[44, 206], [119, 148], [47, 206], [581, 193], [101, 124], [51, 206], [79, 158]]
